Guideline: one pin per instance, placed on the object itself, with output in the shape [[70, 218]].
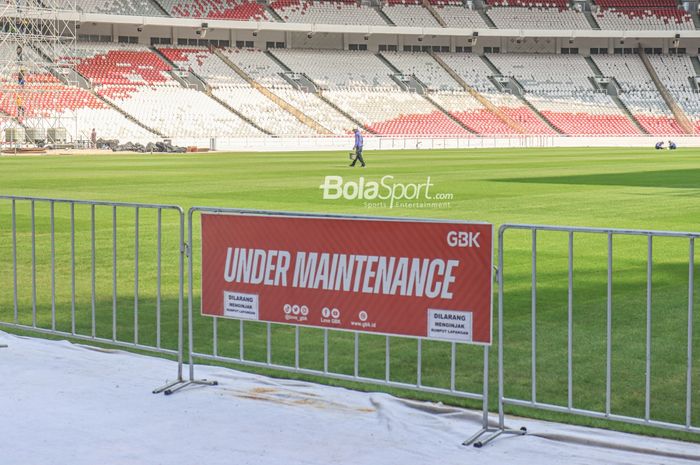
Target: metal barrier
[[326, 356], [621, 336], [75, 290]]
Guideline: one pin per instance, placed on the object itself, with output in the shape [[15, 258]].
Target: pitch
[[623, 188]]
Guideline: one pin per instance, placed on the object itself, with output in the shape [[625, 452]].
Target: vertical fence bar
[[689, 366], [33, 267], [296, 347], [325, 350], [501, 388], [14, 259], [242, 339], [356, 369], [533, 314], [215, 337], [181, 293], [269, 343], [190, 294], [136, 276], [72, 268], [570, 329], [114, 273], [453, 363], [93, 270], [159, 259], [53, 267], [419, 363], [387, 359], [608, 330], [647, 386]]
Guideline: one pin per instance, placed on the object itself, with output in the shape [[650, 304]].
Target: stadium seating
[[558, 86], [138, 81], [456, 14], [425, 68], [204, 64], [258, 65], [639, 93], [676, 72], [236, 92], [263, 69], [327, 12], [360, 84], [331, 69], [472, 114], [642, 15], [114, 7], [531, 15], [409, 13], [242, 10], [47, 101]]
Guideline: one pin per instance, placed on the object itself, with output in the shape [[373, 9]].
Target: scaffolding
[[37, 72]]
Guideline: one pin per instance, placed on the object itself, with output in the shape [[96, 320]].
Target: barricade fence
[[599, 323], [411, 363], [107, 272], [591, 322]]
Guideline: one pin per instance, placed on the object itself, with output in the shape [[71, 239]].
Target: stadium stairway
[[591, 19], [480, 98], [319, 93], [428, 6], [273, 14], [345, 113], [298, 114], [384, 16], [521, 97], [191, 79], [696, 18], [126, 115], [696, 64], [160, 7], [236, 112], [681, 118], [486, 18], [614, 96], [448, 114]]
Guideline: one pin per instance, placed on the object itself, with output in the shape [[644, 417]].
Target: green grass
[[624, 188]]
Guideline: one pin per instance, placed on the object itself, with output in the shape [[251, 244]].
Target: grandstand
[[318, 68]]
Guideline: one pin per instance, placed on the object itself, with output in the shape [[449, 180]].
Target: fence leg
[[501, 428], [187, 251]]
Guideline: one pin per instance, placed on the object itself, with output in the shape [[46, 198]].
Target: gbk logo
[[463, 239]]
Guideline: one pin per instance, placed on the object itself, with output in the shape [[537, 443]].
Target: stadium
[[190, 271]]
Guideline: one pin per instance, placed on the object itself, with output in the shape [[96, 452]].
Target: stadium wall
[[399, 143]]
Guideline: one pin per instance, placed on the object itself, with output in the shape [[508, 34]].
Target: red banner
[[414, 278]]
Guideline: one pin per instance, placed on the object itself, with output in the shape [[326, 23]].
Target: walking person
[[359, 141], [93, 139]]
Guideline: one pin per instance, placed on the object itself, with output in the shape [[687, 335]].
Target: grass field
[[625, 188]]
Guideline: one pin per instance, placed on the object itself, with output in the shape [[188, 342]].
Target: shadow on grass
[[676, 179]]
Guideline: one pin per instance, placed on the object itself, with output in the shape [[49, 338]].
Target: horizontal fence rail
[[601, 343], [103, 272]]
